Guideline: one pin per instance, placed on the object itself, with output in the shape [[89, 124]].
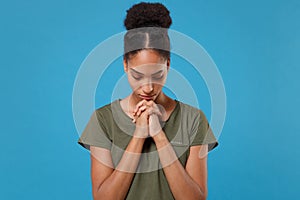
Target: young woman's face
[[147, 73]]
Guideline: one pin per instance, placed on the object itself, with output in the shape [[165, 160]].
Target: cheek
[[134, 84], [158, 86], [159, 83]]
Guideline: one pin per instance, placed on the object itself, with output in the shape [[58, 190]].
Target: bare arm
[[188, 183], [110, 183], [113, 183]]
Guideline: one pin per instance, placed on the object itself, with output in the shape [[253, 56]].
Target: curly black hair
[[147, 28], [147, 15]]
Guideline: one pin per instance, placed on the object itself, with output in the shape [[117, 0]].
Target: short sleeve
[[202, 133], [94, 133]]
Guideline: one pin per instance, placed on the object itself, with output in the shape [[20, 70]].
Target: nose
[[147, 87]]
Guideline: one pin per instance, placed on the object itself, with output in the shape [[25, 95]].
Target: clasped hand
[[146, 117]]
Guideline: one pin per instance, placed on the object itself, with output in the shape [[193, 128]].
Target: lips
[[147, 97]]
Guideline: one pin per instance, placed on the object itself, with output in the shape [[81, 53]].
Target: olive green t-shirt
[[111, 128]]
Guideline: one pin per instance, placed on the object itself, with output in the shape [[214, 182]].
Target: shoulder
[[104, 108], [191, 111], [105, 111]]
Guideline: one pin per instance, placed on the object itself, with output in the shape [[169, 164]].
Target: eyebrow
[[143, 74]]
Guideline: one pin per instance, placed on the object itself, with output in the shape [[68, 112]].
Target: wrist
[[138, 139], [136, 144], [141, 132], [160, 139]]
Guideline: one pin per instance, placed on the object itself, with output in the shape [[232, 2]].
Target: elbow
[[98, 194], [200, 196], [197, 196], [104, 193]]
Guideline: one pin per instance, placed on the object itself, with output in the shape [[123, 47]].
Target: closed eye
[[137, 77], [158, 77]]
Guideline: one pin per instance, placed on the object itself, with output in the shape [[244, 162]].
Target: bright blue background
[[254, 43]]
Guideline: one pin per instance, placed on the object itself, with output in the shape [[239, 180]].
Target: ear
[[168, 64], [125, 65]]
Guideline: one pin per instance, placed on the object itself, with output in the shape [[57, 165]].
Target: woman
[[148, 145]]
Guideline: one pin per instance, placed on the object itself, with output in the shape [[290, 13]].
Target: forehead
[[147, 61], [146, 56], [148, 69]]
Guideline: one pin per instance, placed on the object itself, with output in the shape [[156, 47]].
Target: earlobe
[[168, 64], [125, 65]]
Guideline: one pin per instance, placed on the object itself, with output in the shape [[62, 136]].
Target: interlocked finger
[[155, 111], [140, 110], [141, 103], [150, 107]]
